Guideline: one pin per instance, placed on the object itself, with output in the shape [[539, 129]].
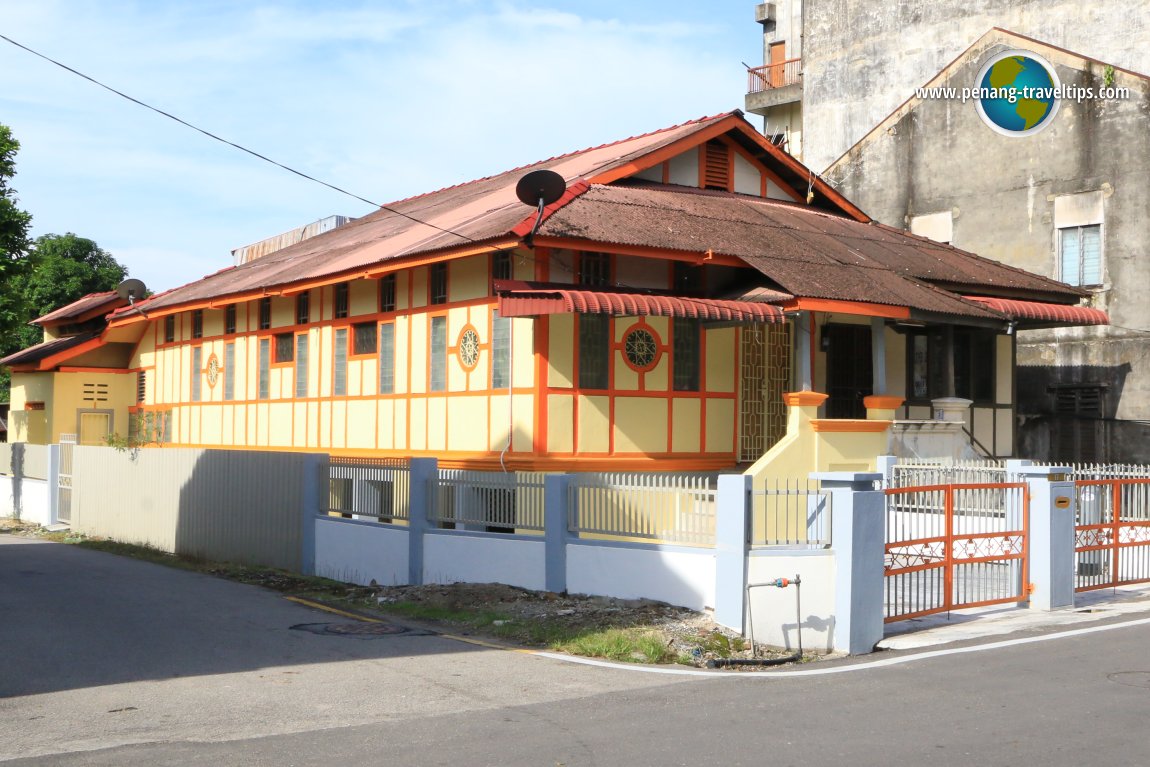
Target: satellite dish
[[538, 186], [131, 290]]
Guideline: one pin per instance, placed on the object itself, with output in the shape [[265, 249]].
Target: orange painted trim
[[858, 308], [849, 426], [665, 153], [119, 371], [49, 363], [717, 259], [805, 398], [882, 402]]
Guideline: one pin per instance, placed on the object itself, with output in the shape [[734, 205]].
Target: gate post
[[424, 474], [555, 526], [53, 485], [731, 551], [858, 529], [1051, 531]]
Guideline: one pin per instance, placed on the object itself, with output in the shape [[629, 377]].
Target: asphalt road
[[109, 661]]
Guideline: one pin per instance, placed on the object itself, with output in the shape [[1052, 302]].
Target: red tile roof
[[532, 300], [1035, 314]]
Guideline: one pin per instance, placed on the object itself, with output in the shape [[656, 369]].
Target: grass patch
[[626, 645]]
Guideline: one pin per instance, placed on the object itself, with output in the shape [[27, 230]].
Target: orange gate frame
[[945, 551], [1112, 536]]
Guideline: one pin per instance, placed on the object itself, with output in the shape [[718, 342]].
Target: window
[[339, 384], [685, 354], [437, 284], [230, 371], [364, 338], [594, 350], [501, 266], [594, 269], [1080, 255], [303, 308], [230, 319], [141, 386], [197, 373], [169, 328], [284, 348], [387, 293], [500, 351], [974, 369], [265, 313], [265, 367], [438, 354], [683, 277], [387, 358], [717, 166], [301, 365], [198, 323], [341, 302]]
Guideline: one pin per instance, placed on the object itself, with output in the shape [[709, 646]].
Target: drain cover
[[1131, 678], [353, 629]]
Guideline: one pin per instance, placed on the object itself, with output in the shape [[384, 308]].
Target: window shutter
[[716, 166], [1068, 266]]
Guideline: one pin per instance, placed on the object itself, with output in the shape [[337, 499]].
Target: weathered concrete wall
[[1007, 195], [861, 59]]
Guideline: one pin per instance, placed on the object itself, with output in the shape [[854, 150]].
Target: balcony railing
[[775, 75]]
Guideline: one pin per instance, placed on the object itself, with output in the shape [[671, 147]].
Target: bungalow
[[652, 317]]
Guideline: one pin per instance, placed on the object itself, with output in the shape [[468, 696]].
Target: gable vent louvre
[[716, 166]]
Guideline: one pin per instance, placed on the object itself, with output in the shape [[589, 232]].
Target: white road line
[[843, 669]]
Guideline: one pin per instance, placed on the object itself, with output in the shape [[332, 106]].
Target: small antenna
[[539, 188]]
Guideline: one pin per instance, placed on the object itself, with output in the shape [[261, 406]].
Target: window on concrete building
[[594, 351], [685, 354], [339, 383], [1080, 255], [438, 354], [265, 367], [500, 351], [301, 365], [387, 358]]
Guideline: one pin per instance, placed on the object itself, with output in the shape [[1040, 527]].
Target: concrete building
[[860, 59], [1068, 201]]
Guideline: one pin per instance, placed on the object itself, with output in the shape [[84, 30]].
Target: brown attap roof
[[45, 350], [89, 307]]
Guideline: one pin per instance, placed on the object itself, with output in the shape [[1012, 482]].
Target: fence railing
[[1096, 471], [1112, 532], [790, 514], [775, 75], [370, 487], [488, 501], [957, 472], [668, 508]]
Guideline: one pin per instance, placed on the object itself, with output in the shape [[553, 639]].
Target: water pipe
[[754, 660]]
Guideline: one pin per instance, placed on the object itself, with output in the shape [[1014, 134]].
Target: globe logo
[[1017, 93]]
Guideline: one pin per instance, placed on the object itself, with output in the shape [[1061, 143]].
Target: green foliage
[[1108, 76], [14, 263]]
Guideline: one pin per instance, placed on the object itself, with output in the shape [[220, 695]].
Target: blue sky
[[385, 99]]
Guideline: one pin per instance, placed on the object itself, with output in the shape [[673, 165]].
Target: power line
[[211, 135]]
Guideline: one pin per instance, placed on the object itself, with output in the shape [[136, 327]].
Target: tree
[[14, 263], [65, 267]]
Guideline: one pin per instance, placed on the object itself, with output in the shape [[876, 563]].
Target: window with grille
[[341, 300], [387, 293], [594, 351], [717, 166], [265, 367], [685, 354], [230, 319], [301, 365], [438, 284], [284, 347], [339, 382], [501, 266], [169, 328], [594, 269], [1080, 255], [198, 323], [230, 371], [387, 358], [197, 373], [303, 308], [500, 351], [265, 313], [364, 338], [1080, 399], [438, 354]]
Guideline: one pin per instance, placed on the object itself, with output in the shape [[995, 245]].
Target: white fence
[[671, 508]]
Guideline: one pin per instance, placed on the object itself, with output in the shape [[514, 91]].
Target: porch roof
[[1035, 314], [522, 299]]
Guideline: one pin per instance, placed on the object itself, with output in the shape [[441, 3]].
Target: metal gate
[[64, 485], [1112, 533], [764, 374], [954, 546]]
